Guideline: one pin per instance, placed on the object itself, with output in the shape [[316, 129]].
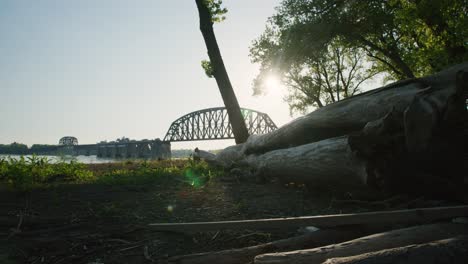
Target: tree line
[[22, 149], [324, 50]]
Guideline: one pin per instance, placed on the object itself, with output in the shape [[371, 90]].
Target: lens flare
[[170, 208]]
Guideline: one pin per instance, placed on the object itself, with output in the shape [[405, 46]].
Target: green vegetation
[[14, 148], [25, 174], [316, 47], [141, 173]]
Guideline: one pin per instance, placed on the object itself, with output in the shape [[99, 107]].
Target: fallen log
[[308, 240], [352, 114], [326, 161], [402, 135], [391, 239], [420, 149], [421, 215], [202, 154], [447, 251]]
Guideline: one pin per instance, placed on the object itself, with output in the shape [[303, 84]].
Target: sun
[[272, 83]]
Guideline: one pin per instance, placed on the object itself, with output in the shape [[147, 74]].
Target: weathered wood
[[308, 240], [422, 215], [325, 161], [204, 155], [352, 114], [376, 242], [446, 251], [420, 149]]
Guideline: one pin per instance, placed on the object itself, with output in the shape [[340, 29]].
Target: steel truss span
[[213, 123], [68, 141]]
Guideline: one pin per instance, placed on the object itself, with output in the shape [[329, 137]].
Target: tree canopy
[[402, 38]]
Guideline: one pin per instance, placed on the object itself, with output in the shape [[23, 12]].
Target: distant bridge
[[206, 124], [213, 123]]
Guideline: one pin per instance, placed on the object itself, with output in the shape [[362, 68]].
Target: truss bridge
[[213, 123]]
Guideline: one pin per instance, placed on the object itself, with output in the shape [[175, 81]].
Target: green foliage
[[143, 174], [146, 173], [14, 148], [208, 68], [402, 38], [216, 10], [198, 173], [24, 174], [336, 73]]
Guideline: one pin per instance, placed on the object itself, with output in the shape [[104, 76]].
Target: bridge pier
[[143, 150], [149, 149]]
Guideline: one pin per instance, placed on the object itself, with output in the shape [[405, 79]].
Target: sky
[[100, 70]]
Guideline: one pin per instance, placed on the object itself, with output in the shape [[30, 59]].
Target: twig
[[421, 215]]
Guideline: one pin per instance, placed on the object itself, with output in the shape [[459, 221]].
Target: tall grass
[[25, 174]]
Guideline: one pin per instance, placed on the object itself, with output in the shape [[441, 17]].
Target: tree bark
[[376, 242], [308, 240], [446, 251], [352, 114], [236, 119], [323, 162]]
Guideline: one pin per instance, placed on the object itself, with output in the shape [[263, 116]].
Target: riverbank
[[104, 218]]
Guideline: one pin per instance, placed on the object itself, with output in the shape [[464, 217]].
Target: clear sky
[[99, 70]]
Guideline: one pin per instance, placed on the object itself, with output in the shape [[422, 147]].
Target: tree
[[14, 148], [210, 11], [335, 74], [403, 38]]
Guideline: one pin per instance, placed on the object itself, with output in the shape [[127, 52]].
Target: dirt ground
[[91, 223]]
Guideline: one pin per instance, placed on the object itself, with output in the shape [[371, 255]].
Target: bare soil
[[99, 223]]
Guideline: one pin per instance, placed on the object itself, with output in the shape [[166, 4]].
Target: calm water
[[82, 159]]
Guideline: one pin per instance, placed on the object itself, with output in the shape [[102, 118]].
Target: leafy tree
[[14, 148], [211, 11], [337, 73], [402, 38]]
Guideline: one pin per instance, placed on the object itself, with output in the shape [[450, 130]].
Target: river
[[81, 159]]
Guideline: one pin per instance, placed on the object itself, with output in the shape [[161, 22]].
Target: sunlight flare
[[272, 83]]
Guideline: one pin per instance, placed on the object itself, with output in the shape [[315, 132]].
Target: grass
[[26, 174]]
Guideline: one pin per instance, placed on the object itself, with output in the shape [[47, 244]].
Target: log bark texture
[[352, 114], [308, 240], [446, 251], [376, 242], [408, 136], [325, 161]]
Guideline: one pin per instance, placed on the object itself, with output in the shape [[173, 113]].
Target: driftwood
[[308, 240], [447, 251], [353, 113], [376, 242], [205, 155], [395, 138], [423, 215], [329, 160]]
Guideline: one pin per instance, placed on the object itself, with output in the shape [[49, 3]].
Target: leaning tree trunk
[[222, 79]]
